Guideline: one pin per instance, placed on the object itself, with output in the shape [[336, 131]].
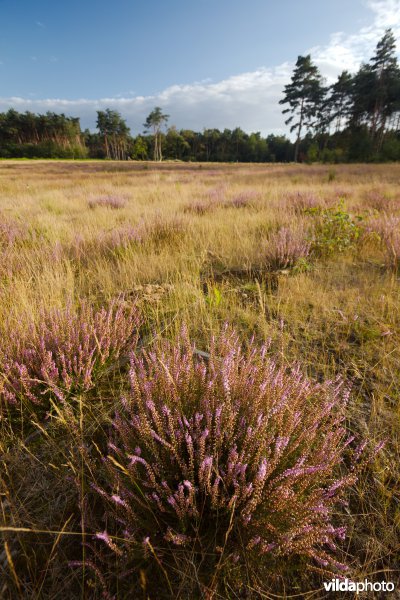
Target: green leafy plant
[[336, 230]]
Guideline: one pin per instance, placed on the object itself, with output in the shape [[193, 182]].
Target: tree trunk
[[381, 134], [107, 148], [296, 148]]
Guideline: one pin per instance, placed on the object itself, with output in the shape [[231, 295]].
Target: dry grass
[[186, 245]]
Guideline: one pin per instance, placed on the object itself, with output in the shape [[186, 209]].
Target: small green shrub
[[336, 230]]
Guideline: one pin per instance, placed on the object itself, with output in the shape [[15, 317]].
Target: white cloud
[[347, 52], [387, 13], [249, 100]]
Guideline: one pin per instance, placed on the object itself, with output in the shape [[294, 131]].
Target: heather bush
[[219, 470], [218, 195], [121, 237], [11, 232], [341, 193], [157, 231], [377, 200], [285, 248], [63, 352], [199, 207], [383, 225], [217, 199], [242, 200], [107, 202], [302, 202]]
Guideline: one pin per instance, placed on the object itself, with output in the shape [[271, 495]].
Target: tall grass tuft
[[220, 467], [387, 227], [161, 230]]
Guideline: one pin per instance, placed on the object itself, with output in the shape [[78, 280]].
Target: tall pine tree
[[385, 68], [154, 123], [304, 96]]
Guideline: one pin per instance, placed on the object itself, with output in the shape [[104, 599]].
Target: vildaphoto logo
[[346, 585]]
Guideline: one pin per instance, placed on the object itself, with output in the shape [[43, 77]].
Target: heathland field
[[199, 379]]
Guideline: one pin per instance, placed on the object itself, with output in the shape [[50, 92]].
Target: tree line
[[40, 136], [51, 135], [357, 118]]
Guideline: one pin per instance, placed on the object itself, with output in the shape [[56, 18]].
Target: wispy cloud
[[40, 24], [249, 100]]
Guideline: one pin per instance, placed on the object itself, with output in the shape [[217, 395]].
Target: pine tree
[[385, 68], [114, 132], [341, 99], [154, 122], [304, 95]]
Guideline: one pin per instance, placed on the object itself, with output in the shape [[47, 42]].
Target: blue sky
[[208, 63]]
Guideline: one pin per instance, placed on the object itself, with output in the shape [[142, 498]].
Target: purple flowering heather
[[242, 199], [121, 237], [302, 202], [158, 230], [214, 199], [116, 239], [234, 453], [199, 207], [217, 199], [109, 201], [377, 200], [218, 195], [9, 232], [13, 234], [64, 351], [285, 248]]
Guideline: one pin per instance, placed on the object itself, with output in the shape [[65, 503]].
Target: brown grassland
[[194, 244]]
